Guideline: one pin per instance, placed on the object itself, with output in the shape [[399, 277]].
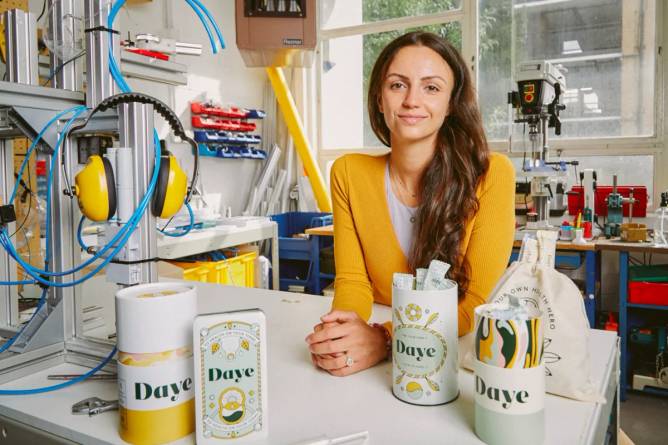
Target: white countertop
[[306, 403]]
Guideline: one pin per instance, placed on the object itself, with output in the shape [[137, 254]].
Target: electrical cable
[[25, 218], [185, 231], [16, 283], [123, 85], [119, 79], [49, 182], [204, 23], [168, 222], [211, 19], [81, 378], [5, 241], [79, 237], [123, 234], [34, 144], [127, 228], [61, 66], [41, 14], [130, 226]]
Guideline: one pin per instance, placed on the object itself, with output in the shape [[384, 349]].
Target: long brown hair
[[448, 185]]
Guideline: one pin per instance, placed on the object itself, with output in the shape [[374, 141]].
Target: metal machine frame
[[56, 334]]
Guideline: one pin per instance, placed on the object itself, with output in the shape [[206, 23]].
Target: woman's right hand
[[351, 344], [314, 357]]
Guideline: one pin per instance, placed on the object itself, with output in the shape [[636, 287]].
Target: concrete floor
[[644, 418]]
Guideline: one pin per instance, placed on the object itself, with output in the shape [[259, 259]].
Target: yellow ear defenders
[[170, 191], [95, 187]]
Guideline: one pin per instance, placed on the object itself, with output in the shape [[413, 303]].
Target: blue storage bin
[[293, 250], [292, 223]]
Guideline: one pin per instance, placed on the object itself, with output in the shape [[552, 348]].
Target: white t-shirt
[[402, 216]]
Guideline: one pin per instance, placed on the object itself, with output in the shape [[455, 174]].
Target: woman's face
[[416, 94]]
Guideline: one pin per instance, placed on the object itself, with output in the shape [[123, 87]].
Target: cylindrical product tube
[[155, 365], [509, 375], [425, 360]]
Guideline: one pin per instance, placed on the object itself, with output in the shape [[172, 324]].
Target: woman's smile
[[412, 119]]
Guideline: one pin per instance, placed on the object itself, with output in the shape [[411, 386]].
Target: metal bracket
[[46, 328], [30, 121]]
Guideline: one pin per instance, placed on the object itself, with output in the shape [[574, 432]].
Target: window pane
[[605, 47], [347, 64], [338, 13]]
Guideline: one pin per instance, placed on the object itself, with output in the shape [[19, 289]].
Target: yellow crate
[[235, 271]]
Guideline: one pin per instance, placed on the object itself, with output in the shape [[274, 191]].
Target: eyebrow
[[423, 78]]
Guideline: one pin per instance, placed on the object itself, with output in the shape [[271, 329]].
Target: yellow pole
[[293, 121]]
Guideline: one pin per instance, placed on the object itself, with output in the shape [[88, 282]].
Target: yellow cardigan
[[367, 252]]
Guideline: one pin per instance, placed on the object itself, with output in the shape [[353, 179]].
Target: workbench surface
[[305, 403]]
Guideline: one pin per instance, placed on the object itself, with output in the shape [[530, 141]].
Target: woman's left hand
[[356, 345]]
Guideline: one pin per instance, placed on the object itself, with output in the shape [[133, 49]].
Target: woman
[[438, 194]]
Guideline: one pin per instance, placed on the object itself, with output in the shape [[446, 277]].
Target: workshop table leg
[[590, 287], [315, 260], [276, 279], [623, 320]]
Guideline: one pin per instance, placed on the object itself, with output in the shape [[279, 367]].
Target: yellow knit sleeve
[[491, 239], [352, 288]]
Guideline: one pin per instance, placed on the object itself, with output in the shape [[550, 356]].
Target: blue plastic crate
[[292, 223], [293, 251]]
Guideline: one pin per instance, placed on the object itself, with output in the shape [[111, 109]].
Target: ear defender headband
[[95, 187]]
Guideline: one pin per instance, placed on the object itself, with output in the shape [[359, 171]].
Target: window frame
[[464, 15], [467, 15]]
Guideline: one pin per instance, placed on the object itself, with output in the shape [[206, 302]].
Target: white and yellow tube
[[155, 365]]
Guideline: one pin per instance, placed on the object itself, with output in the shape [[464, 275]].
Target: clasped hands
[[343, 343]]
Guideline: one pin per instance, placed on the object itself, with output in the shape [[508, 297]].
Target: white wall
[[223, 78]]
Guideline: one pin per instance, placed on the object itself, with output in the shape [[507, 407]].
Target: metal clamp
[[94, 405]]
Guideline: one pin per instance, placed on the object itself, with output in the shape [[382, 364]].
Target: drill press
[[536, 104]]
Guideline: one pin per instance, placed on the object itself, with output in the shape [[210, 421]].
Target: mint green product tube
[[425, 346], [509, 375], [509, 405]]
